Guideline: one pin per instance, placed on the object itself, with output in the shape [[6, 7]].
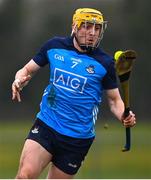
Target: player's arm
[[117, 107], [22, 78], [115, 102]]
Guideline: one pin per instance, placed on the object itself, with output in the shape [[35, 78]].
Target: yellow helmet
[[87, 15]]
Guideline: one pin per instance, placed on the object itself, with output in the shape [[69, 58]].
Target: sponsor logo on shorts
[[72, 165], [35, 130], [69, 81]]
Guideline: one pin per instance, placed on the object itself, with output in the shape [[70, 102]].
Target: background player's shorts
[[68, 153]]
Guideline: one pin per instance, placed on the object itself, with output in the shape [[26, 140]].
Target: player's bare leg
[[55, 173], [34, 159]]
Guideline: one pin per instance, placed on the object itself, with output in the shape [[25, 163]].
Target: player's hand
[[130, 120], [18, 85]]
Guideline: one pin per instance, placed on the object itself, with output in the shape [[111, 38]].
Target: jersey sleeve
[[41, 56], [110, 79]]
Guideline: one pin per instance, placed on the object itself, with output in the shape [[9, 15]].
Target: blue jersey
[[70, 101]]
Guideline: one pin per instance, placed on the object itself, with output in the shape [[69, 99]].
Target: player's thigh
[[34, 156], [56, 173]]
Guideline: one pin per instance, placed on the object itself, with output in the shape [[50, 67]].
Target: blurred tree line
[[26, 24]]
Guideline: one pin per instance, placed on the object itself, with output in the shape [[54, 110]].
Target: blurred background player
[[79, 72]]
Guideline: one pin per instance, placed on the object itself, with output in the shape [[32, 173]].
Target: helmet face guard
[[88, 16]]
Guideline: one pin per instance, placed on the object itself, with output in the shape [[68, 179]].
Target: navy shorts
[[68, 153]]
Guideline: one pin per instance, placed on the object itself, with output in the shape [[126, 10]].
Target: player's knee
[[26, 173]]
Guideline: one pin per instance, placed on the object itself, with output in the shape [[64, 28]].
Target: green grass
[[104, 161]]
